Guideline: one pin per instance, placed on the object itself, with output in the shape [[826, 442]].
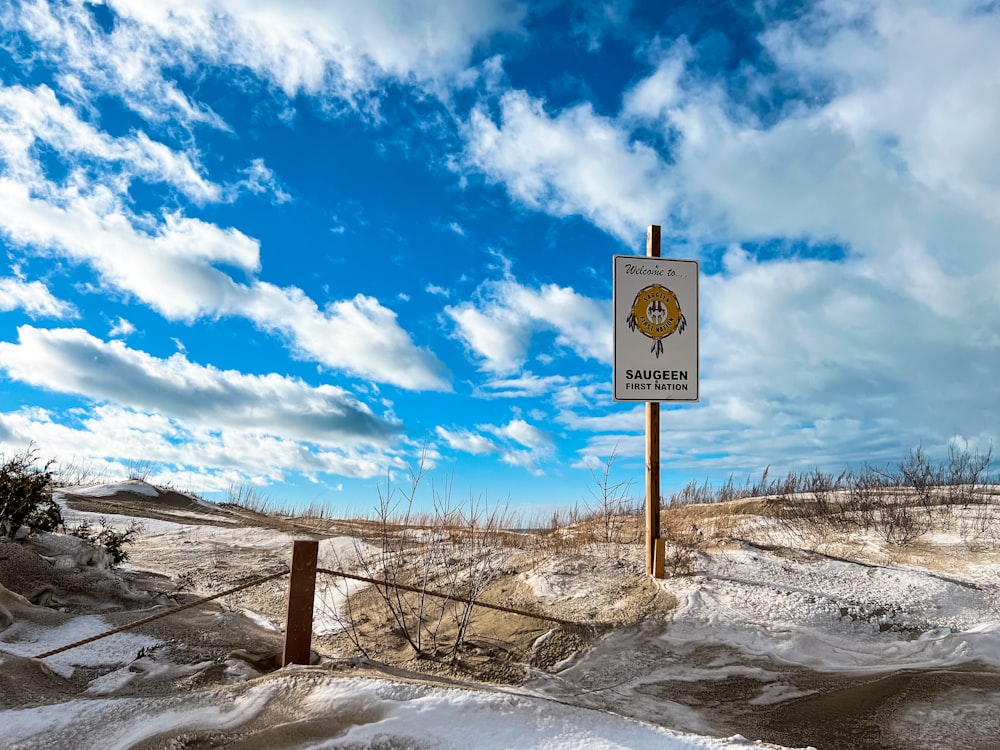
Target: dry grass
[[470, 549]]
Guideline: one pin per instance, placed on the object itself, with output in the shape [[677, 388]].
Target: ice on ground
[[67, 552], [26, 638], [144, 667], [330, 613], [836, 616], [351, 712], [124, 722], [562, 579], [107, 490]]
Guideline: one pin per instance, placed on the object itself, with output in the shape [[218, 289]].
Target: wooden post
[[652, 442], [301, 590], [659, 558]]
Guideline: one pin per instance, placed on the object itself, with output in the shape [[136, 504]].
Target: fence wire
[[416, 590], [273, 576], [159, 615]]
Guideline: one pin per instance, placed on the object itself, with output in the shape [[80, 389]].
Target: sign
[[655, 329]]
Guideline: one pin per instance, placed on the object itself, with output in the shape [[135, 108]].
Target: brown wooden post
[[652, 443], [301, 590], [659, 558]]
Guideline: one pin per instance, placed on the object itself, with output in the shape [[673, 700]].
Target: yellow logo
[[656, 313]]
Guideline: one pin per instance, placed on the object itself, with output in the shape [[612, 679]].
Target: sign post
[[655, 352]]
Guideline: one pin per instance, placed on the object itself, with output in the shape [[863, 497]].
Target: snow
[[70, 553], [108, 490], [559, 582], [121, 723], [751, 613], [488, 721], [365, 712], [142, 667], [766, 605], [341, 554], [25, 638]]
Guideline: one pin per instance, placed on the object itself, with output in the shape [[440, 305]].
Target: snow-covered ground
[[882, 649]]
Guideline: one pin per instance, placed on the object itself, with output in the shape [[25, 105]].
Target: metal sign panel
[[655, 329]]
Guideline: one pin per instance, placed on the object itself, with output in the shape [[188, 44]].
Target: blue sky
[[303, 245]]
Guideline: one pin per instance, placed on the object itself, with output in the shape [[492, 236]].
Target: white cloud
[[580, 394], [518, 443], [260, 180], [34, 298], [467, 441], [499, 327], [168, 269], [537, 445], [499, 336], [916, 83], [315, 48], [184, 454], [172, 270], [573, 162], [212, 426], [32, 116], [889, 153], [121, 329], [127, 62], [526, 434], [582, 324], [72, 361], [358, 335], [653, 97], [438, 290], [524, 385]]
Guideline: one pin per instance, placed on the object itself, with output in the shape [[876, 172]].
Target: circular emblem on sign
[[656, 314]]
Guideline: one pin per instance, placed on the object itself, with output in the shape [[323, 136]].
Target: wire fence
[[449, 597], [325, 571], [161, 615]]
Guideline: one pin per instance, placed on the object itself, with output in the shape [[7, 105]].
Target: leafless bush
[[478, 549], [77, 473], [613, 512], [866, 492], [920, 476], [692, 493], [766, 486], [981, 520], [456, 550], [246, 496], [817, 501], [967, 476], [898, 503], [901, 522], [140, 469], [682, 540]]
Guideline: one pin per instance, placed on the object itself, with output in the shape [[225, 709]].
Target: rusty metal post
[[301, 590]]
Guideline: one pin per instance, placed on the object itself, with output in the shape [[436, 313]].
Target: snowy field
[[849, 643]]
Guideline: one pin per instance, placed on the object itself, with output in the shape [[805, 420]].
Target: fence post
[[659, 557], [301, 589]]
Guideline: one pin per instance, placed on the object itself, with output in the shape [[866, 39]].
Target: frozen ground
[[849, 644]]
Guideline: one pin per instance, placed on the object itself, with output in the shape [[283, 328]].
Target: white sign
[[655, 329]]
